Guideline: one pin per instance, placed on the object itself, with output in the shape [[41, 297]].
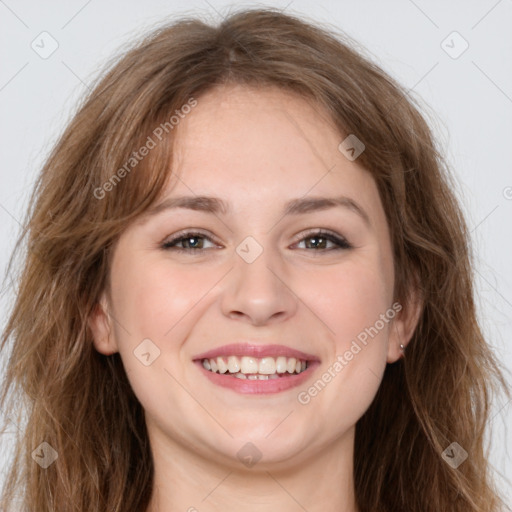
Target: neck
[[186, 481]]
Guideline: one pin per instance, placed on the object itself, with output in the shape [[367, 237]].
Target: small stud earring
[[402, 347]]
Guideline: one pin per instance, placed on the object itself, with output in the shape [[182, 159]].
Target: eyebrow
[[215, 205]]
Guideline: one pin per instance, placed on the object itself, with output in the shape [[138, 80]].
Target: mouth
[[252, 368], [256, 368]]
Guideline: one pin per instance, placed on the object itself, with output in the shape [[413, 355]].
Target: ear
[[101, 327], [403, 325]]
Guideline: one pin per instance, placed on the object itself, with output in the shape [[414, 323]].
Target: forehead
[[249, 117], [268, 138]]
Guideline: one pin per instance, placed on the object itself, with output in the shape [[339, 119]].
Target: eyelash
[[341, 242]]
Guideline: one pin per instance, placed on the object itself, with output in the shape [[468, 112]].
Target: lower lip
[[259, 386]]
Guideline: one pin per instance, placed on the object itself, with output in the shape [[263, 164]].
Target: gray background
[[466, 97]]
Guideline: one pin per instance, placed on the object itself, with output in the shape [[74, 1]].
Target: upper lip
[[258, 351]]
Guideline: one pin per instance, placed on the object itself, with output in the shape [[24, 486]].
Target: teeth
[[223, 367], [233, 364], [252, 368], [248, 365], [281, 364], [267, 366]]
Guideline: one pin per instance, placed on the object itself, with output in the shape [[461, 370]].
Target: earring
[[402, 347]]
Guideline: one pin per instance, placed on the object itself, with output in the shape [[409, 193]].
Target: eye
[[192, 241], [322, 238]]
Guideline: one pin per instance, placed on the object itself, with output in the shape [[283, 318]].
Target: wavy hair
[[80, 401]]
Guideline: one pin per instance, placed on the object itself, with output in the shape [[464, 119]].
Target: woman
[[248, 285]]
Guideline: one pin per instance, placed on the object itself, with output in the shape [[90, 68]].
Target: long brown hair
[[80, 402]]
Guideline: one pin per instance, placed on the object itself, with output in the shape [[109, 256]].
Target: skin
[[256, 149]]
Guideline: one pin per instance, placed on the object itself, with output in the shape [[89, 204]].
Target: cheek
[[154, 297], [350, 302], [349, 299], [155, 302]]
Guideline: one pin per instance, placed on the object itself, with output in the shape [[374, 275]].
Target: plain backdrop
[[456, 57]]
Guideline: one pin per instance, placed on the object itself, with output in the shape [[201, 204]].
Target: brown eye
[[190, 242], [322, 238]]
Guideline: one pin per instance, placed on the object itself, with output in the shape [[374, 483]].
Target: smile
[[256, 368], [253, 368]]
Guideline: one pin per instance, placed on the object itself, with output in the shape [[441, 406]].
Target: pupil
[[316, 238]]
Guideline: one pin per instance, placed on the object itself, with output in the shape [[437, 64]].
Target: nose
[[258, 292]]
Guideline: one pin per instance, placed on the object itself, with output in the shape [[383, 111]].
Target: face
[[273, 273]]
